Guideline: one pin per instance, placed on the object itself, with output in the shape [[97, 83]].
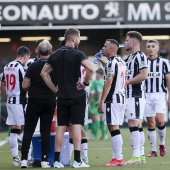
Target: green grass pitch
[[100, 153]]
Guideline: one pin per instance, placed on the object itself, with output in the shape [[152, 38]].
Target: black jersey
[[66, 63], [38, 89]]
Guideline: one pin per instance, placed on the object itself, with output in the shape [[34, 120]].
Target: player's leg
[[63, 116], [84, 146], [77, 118], [113, 116], [149, 113], [142, 144], [46, 117], [103, 128], [31, 119], [15, 121], [95, 126], [142, 103], [161, 132], [160, 114], [133, 115]]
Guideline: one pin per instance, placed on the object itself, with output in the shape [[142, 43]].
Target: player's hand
[[80, 85], [100, 108]]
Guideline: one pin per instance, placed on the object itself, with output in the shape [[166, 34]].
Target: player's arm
[[47, 69], [3, 91], [102, 61], [26, 84], [89, 73], [167, 76], [106, 89], [143, 73]]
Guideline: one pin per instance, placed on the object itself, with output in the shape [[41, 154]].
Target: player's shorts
[[71, 110], [114, 112], [155, 103], [135, 108], [16, 114]]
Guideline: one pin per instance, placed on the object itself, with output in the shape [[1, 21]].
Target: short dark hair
[[23, 51], [113, 41], [153, 41], [69, 33], [135, 34], [38, 41]]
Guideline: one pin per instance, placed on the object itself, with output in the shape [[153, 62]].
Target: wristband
[[86, 84]]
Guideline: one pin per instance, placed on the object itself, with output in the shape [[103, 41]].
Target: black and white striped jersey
[[116, 67], [13, 76], [31, 60], [134, 63], [156, 81]]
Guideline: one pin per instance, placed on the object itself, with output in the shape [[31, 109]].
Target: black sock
[[57, 156], [77, 155]]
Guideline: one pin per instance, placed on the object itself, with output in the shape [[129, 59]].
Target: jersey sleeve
[[49, 61], [142, 60], [28, 72], [81, 57], [166, 67]]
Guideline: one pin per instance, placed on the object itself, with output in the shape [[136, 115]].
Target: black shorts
[[71, 110]]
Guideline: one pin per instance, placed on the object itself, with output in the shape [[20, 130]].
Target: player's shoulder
[[140, 54], [164, 59]]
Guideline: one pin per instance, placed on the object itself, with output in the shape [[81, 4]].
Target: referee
[[71, 103], [41, 104]]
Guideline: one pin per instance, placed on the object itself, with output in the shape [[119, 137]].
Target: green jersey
[[95, 88]]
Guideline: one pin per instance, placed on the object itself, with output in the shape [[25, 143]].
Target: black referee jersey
[[157, 70]]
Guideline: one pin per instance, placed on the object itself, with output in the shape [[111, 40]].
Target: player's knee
[[160, 123]]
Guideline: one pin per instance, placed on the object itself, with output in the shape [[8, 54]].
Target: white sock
[[135, 141], [142, 142], [117, 143], [152, 139], [20, 136], [13, 144], [30, 152], [84, 147], [71, 147], [162, 135]]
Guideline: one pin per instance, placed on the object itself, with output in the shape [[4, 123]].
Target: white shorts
[[114, 113], [135, 108], [15, 114], [155, 103]]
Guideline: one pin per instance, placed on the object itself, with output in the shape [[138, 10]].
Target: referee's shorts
[[71, 110]]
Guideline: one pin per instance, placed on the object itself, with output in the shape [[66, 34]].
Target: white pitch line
[[3, 142]]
